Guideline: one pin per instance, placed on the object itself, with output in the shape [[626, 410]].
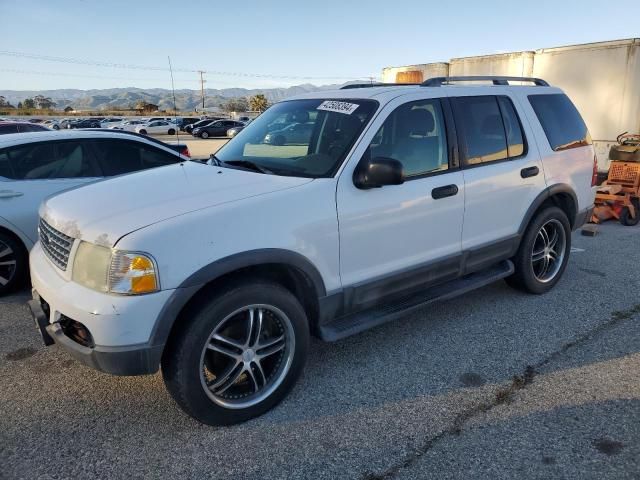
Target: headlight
[[114, 271]]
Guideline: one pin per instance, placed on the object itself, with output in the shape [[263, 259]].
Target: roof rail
[[376, 84], [497, 80]]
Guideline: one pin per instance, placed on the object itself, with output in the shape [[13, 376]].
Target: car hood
[[105, 211]]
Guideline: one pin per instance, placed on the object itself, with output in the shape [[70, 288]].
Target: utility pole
[[202, 80]]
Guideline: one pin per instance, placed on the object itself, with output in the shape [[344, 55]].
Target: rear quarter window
[[561, 121]]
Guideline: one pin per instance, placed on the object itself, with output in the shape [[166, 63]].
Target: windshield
[[304, 138]]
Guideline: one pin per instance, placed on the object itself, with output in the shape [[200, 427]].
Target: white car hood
[[103, 212]]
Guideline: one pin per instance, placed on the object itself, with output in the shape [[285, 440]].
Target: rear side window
[[40, 161], [515, 139], [122, 156], [482, 131], [8, 129], [489, 129], [5, 168], [560, 120]]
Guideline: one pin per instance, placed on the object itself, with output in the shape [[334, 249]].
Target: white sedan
[[157, 126], [129, 125]]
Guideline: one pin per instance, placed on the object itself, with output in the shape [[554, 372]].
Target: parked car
[[21, 127], [51, 124], [93, 122], [64, 123], [187, 121], [157, 127], [109, 122], [401, 196], [36, 165], [206, 121], [232, 132], [216, 128], [294, 133], [128, 125]]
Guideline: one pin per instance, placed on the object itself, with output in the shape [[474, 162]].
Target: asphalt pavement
[[495, 384]]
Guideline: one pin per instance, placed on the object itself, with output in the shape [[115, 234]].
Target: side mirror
[[378, 172]]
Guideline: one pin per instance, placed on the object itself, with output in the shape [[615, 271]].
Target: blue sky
[[330, 41]]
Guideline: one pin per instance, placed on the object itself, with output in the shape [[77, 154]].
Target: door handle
[[529, 172], [10, 194], [446, 191]]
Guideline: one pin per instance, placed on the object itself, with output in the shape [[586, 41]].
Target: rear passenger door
[[502, 175]]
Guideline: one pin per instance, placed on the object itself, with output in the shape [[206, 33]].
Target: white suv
[[398, 196]]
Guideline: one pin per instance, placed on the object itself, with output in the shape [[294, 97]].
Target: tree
[[258, 103], [44, 102], [29, 103], [4, 103], [19, 104], [236, 105], [68, 109]]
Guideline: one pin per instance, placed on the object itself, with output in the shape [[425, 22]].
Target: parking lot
[[495, 384], [198, 147]]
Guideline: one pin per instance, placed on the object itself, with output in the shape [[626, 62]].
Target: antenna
[[173, 91]]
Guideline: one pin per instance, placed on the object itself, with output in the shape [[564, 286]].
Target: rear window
[[560, 120]]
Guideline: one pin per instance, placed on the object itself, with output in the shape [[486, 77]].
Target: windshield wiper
[[246, 164]]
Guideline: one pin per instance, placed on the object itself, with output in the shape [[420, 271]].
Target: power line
[[57, 74], [78, 61]]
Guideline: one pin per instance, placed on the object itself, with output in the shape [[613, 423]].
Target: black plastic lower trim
[[583, 217], [128, 360], [358, 322]]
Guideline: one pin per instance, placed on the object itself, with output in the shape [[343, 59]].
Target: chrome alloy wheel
[[247, 356], [8, 262], [549, 250]]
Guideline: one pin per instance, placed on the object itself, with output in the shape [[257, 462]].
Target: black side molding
[[351, 324]]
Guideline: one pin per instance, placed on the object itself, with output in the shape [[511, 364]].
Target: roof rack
[[497, 80], [376, 84]]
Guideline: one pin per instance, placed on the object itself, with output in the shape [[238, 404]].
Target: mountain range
[[186, 100]]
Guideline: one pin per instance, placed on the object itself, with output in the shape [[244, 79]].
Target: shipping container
[[602, 79]]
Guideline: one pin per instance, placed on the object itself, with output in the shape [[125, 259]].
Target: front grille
[[55, 244]]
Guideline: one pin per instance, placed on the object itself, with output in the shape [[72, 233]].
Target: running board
[[358, 322]]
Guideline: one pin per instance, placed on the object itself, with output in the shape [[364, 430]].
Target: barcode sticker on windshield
[[339, 107]]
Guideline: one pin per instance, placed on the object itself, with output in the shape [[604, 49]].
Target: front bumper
[[129, 360], [121, 327]]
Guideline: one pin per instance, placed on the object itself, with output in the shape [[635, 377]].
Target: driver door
[[402, 236]]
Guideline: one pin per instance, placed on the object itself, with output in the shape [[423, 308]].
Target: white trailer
[[603, 80]]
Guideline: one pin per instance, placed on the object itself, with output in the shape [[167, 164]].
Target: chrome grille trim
[[55, 244]]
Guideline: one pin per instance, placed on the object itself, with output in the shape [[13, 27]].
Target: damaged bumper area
[[109, 333]]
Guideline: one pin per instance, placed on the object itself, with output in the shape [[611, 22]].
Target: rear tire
[[13, 264], [219, 370], [543, 253]]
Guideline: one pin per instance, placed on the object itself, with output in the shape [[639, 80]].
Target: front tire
[[204, 135], [13, 264], [171, 132], [543, 253], [238, 354], [143, 132]]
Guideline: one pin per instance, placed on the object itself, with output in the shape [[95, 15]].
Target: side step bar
[[358, 322]]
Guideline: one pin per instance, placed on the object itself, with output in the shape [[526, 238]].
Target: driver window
[[414, 134]]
